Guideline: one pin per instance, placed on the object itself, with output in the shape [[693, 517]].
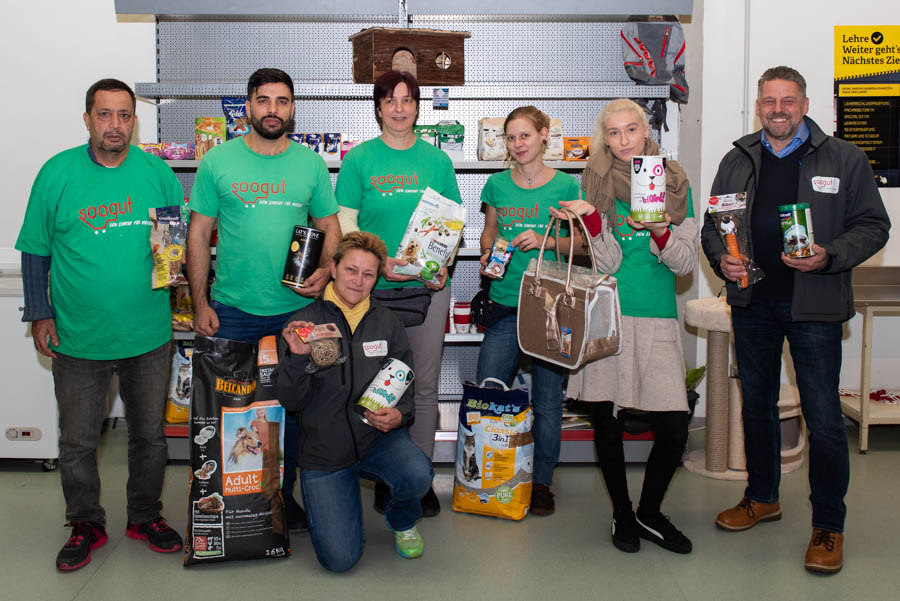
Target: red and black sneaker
[[158, 535], [76, 553]]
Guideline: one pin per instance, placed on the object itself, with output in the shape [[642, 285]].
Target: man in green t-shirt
[[259, 187], [85, 238]]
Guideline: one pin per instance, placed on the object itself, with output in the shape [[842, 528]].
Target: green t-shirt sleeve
[[487, 193], [322, 203], [36, 235], [349, 187], [204, 198]]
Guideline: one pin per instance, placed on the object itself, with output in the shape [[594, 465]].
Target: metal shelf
[[474, 91], [458, 165]]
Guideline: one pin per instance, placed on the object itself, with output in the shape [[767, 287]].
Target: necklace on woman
[[530, 179]]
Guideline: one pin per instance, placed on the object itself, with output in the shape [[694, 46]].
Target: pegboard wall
[[567, 66]]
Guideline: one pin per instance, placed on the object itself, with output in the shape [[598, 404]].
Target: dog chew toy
[[727, 228], [727, 212]]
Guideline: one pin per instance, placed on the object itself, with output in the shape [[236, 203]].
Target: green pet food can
[[796, 230]]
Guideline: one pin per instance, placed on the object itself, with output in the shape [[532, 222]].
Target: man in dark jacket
[[336, 446], [805, 299]]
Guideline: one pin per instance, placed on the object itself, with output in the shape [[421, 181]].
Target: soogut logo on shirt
[[387, 184], [261, 189], [100, 216], [515, 215]]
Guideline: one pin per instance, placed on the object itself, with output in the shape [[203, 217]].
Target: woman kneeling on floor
[[336, 446], [648, 375]]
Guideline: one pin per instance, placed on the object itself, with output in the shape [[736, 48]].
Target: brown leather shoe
[[825, 552], [747, 513]]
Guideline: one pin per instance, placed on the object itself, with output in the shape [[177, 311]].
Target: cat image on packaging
[[648, 188]]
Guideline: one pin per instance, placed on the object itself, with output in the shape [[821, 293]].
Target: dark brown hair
[[384, 87], [107, 85]]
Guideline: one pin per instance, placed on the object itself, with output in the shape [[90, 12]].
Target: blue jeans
[[81, 387], [334, 504], [498, 358], [759, 332], [235, 324]]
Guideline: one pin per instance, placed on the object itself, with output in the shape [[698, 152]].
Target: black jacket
[[851, 224], [332, 437]]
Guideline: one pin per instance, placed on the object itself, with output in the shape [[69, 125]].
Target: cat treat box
[[386, 388], [648, 188]]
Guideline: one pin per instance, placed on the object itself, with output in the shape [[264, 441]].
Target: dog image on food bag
[[245, 449]]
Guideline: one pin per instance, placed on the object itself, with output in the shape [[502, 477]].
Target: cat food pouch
[[431, 237], [168, 244], [494, 452], [235, 508], [178, 405]]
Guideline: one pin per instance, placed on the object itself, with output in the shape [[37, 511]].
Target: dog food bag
[[168, 243], [431, 237], [178, 405], [237, 122], [491, 139], [494, 452], [450, 137], [235, 508]]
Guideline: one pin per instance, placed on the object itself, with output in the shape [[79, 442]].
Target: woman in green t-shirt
[[517, 207], [649, 373], [378, 188]]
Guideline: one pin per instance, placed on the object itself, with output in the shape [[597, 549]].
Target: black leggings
[[671, 432]]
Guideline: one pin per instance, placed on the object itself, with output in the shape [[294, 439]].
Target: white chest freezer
[[29, 416]]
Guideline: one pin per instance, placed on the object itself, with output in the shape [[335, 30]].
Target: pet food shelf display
[[500, 75]]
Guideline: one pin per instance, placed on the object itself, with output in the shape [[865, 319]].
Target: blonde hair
[[366, 241], [536, 116], [598, 137]]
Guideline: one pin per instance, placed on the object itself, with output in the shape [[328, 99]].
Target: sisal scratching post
[[736, 457], [717, 401]]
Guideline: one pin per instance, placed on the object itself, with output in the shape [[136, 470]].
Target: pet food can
[[796, 230], [303, 256], [648, 188], [386, 388]]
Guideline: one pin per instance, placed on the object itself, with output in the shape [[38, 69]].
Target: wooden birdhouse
[[434, 57]]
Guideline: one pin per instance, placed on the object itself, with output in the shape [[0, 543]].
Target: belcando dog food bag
[[235, 506], [494, 452]]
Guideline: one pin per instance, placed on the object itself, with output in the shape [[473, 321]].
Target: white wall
[[798, 34], [53, 50]]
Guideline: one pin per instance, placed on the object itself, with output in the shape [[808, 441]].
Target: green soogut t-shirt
[[646, 285], [520, 209], [258, 200], [94, 224], [385, 185]]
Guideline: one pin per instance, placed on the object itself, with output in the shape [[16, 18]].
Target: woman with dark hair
[[517, 206], [378, 188]]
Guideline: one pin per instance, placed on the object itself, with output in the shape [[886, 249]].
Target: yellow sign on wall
[[866, 50]]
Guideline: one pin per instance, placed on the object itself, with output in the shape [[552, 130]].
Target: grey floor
[[565, 556]]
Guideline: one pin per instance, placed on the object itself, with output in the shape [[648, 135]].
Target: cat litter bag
[[235, 507], [494, 452]]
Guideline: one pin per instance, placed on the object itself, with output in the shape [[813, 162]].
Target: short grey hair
[[782, 72]]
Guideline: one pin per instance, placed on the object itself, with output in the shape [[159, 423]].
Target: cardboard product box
[[208, 132], [491, 139], [555, 141], [577, 148]]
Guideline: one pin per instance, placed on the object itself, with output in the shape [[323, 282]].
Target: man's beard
[[271, 134]]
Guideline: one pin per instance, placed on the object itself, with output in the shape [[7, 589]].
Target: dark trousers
[[81, 393], [671, 432], [759, 333]]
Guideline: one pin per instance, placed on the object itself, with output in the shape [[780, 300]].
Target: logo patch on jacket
[[375, 348], [826, 185]]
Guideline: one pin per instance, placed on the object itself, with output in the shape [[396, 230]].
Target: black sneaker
[[76, 553], [542, 500], [294, 514], [658, 529], [625, 532], [157, 533], [431, 506], [381, 493]]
